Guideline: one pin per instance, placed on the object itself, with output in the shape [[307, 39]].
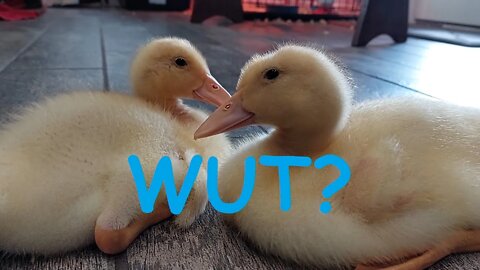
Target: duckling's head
[[167, 69], [292, 88]]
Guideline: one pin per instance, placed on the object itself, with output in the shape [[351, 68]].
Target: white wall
[[411, 16], [454, 11]]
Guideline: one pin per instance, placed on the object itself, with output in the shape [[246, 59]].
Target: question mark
[[336, 185]]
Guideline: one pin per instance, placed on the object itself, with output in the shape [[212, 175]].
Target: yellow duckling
[[415, 166], [64, 176]]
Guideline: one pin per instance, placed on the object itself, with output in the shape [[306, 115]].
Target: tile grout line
[[388, 81], [106, 84], [26, 47]]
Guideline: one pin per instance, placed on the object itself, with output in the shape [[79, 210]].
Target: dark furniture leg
[[34, 4], [204, 9], [381, 17]]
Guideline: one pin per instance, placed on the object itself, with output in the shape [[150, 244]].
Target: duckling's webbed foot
[[460, 242], [112, 241]]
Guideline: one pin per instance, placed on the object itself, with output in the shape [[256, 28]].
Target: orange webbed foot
[[459, 242], [116, 241]]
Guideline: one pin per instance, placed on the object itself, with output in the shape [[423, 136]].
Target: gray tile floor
[[91, 49]]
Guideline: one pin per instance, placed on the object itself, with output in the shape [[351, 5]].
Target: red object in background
[[11, 11], [310, 7], [15, 3]]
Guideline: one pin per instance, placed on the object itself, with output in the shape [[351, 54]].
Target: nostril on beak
[[227, 107], [214, 86]]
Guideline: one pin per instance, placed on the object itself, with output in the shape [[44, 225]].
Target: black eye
[[271, 74], [181, 62]]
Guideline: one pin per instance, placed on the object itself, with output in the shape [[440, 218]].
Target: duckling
[[65, 180], [414, 190]]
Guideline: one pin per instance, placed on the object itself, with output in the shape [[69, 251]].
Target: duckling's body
[[407, 190], [64, 173], [415, 166], [64, 162]]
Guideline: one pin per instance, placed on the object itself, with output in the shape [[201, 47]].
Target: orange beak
[[231, 115], [211, 92]]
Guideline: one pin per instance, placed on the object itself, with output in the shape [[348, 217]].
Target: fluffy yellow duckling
[[415, 166], [64, 175]]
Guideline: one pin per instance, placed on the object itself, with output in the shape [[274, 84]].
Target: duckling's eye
[[181, 62], [271, 74]]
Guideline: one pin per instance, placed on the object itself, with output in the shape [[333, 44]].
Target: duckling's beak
[[229, 116], [211, 92]]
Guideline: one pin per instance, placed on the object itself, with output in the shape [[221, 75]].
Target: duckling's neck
[[310, 136], [176, 108], [169, 104], [302, 142]]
